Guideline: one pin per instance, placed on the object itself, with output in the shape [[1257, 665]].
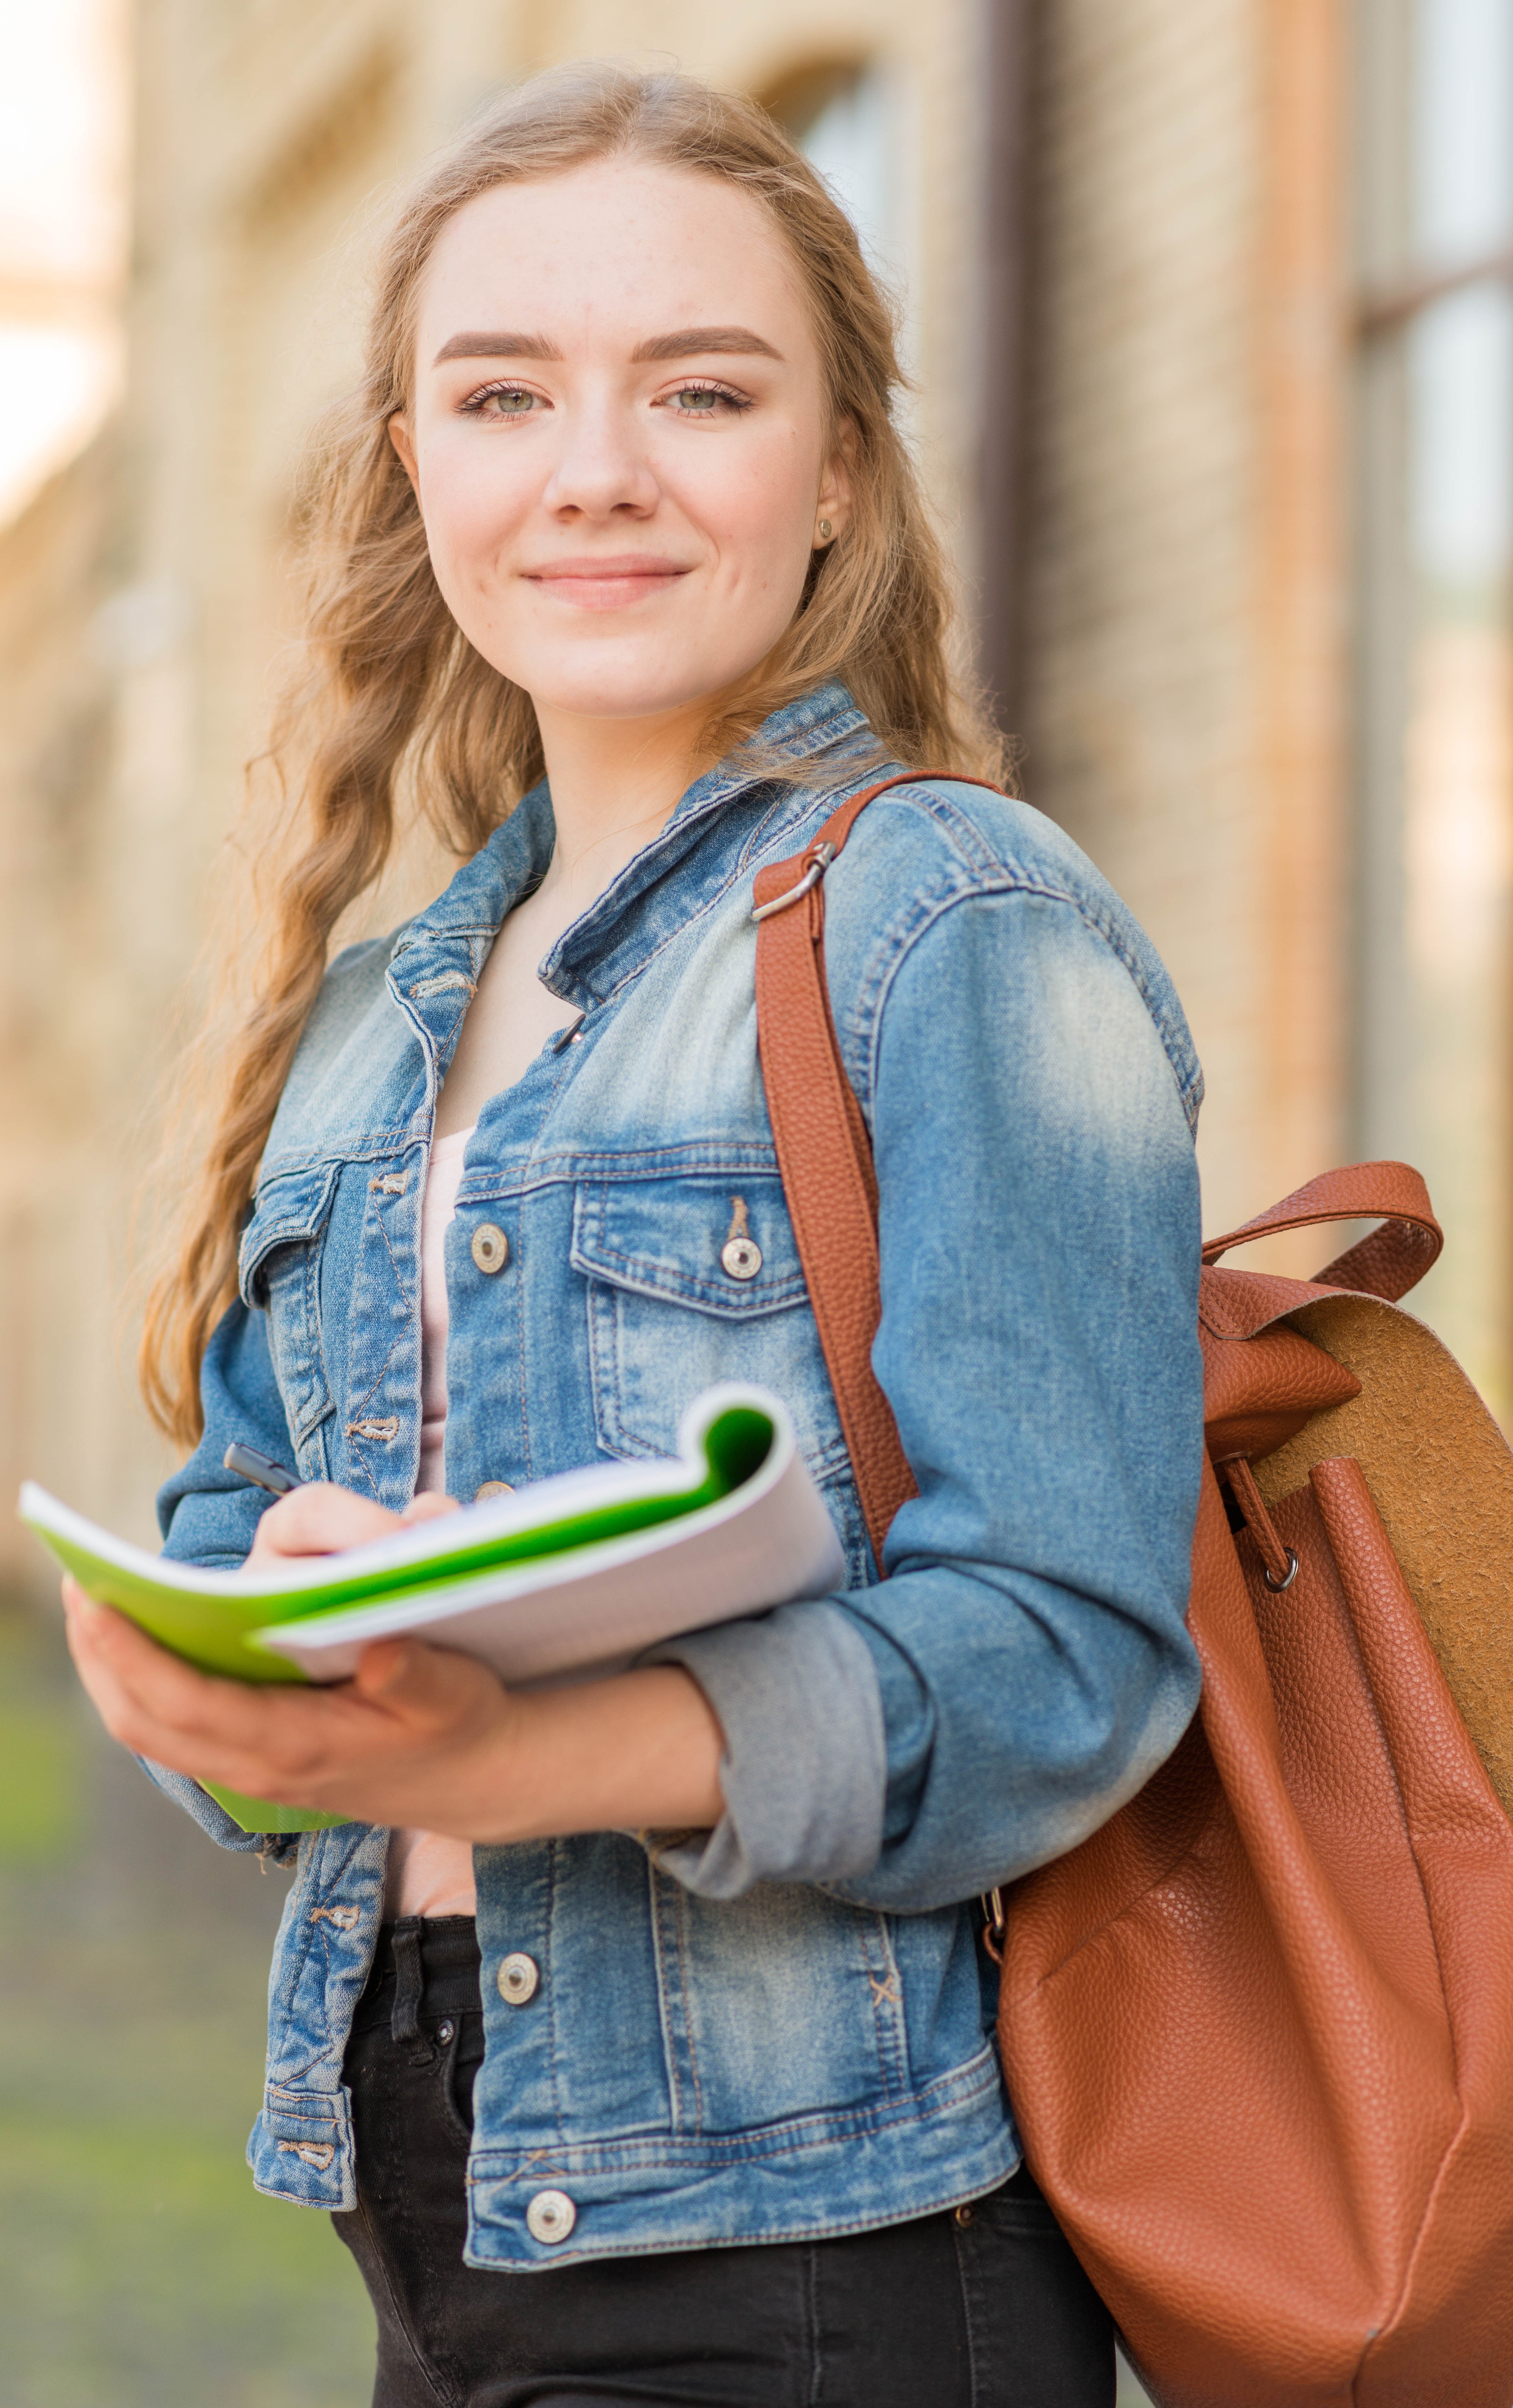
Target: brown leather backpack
[[1259, 2029]]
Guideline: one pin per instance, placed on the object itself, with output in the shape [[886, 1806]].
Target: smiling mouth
[[606, 584]]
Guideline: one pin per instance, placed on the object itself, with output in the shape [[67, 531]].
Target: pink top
[[443, 1179], [427, 1873]]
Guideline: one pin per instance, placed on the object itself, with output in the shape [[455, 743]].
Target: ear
[[399, 435], [833, 499]]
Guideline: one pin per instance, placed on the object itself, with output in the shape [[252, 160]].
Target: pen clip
[[258, 1469]]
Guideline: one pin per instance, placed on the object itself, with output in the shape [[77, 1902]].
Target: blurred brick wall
[[64, 1109], [1185, 674]]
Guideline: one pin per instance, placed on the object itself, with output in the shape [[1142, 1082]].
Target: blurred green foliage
[[139, 2268], [39, 1754]]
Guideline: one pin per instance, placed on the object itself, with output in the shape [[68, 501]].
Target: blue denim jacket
[[779, 2028]]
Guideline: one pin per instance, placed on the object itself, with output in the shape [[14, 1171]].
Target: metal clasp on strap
[[821, 856], [994, 1923], [1279, 1562]]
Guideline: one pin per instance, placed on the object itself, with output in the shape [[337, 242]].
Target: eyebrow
[[687, 343], [690, 340], [508, 346]]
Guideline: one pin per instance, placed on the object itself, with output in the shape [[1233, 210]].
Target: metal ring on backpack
[[1291, 1574]]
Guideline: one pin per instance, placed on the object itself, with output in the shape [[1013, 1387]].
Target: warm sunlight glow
[[63, 203]]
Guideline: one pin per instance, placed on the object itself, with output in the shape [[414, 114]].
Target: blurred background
[[1209, 309]]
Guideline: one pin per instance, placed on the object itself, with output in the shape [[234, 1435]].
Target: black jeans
[[982, 2307]]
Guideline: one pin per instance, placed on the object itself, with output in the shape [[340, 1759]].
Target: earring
[[826, 530]]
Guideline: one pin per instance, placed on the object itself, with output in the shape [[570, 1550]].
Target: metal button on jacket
[[550, 2215], [491, 1247], [741, 1257], [517, 1978], [492, 1488]]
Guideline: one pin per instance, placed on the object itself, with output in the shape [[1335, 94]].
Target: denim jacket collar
[[608, 942]]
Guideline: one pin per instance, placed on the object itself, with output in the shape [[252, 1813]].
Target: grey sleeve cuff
[[805, 1770]]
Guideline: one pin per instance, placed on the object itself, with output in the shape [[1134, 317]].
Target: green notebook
[[553, 1581]]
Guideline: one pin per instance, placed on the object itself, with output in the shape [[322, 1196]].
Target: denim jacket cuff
[[213, 1818], [804, 1768]]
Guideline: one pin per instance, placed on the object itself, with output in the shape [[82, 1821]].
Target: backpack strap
[[1387, 1262], [824, 1152]]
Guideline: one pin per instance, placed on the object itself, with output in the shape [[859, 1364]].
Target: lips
[[608, 581]]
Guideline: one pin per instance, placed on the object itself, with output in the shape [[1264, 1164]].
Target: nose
[[603, 467]]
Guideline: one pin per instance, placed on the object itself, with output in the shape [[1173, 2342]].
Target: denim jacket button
[[492, 1488], [741, 1257], [491, 1247], [550, 2215], [519, 1977]]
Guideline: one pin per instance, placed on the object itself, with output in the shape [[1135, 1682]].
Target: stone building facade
[[1126, 234]]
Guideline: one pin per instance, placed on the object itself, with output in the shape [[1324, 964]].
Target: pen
[[261, 1470]]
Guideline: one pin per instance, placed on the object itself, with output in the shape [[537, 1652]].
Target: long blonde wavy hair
[[393, 716]]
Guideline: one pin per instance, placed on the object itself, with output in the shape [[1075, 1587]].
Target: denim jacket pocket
[[818, 1964], [694, 1277], [279, 1272]]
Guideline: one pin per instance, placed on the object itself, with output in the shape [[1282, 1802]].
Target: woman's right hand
[[322, 1519]]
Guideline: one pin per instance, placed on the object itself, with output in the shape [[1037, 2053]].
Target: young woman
[[639, 2033]]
